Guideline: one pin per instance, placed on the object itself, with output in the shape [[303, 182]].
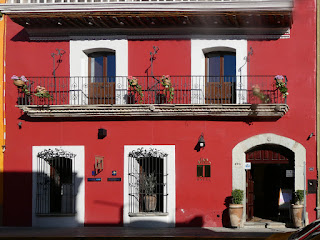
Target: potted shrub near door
[[148, 184], [236, 208], [297, 208]]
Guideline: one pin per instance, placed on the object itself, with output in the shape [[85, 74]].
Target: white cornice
[[192, 5]]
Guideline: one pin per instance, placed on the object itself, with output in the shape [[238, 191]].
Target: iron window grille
[[55, 182], [148, 181]]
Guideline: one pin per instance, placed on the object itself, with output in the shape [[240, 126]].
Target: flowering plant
[[281, 85], [42, 92], [168, 89], [21, 83], [136, 87], [256, 92]]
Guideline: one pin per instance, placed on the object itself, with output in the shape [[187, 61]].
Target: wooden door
[[102, 92], [249, 195], [220, 78], [101, 82]]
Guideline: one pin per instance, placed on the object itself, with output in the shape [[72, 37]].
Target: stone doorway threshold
[[257, 222]]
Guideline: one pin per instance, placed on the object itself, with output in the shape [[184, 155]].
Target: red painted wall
[[198, 203], [24, 57]]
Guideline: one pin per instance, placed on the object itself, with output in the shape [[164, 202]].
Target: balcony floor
[[242, 112]]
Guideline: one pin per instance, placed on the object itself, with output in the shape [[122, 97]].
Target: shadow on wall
[[225, 213], [21, 36], [55, 196], [17, 201]]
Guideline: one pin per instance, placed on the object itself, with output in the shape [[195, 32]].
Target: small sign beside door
[[247, 166], [289, 173]]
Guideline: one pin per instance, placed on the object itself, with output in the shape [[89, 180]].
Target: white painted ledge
[[26, 6], [271, 111]]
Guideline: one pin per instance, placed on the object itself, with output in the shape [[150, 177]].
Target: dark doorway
[[270, 177]]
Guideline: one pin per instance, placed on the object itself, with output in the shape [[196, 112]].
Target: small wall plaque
[[114, 179], [98, 163], [94, 179]]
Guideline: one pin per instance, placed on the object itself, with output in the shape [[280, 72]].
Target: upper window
[[102, 64], [102, 72], [220, 77]]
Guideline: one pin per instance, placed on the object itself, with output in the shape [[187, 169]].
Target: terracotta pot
[[19, 83], [150, 202], [235, 213], [297, 212]]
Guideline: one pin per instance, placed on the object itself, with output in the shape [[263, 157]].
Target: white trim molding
[[79, 65], [151, 220], [28, 6], [239, 158], [76, 220], [200, 47]]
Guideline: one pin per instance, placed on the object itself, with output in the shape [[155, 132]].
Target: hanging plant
[[168, 89], [21, 83], [135, 87]]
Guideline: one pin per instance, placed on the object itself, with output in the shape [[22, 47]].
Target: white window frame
[[79, 66], [61, 221], [150, 220], [199, 48]]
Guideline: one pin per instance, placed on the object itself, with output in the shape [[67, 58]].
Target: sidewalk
[[91, 233]]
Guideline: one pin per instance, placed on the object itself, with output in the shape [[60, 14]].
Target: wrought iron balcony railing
[[152, 90]]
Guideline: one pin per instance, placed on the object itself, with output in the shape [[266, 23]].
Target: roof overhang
[[234, 14]]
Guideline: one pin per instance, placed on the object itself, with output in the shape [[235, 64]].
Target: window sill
[[149, 214]]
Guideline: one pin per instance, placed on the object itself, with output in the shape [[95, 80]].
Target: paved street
[[137, 233]]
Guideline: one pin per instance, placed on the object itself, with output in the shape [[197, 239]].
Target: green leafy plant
[[281, 85], [168, 89], [299, 196], [237, 196], [135, 87], [41, 92], [257, 92]]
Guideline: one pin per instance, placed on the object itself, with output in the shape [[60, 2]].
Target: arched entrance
[[239, 159], [270, 183]]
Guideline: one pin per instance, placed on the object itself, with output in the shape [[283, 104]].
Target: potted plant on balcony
[[281, 85], [21, 83], [257, 92], [148, 185], [136, 88], [168, 90], [42, 92], [236, 208], [297, 208]]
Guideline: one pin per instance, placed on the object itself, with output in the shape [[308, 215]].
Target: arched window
[[220, 77], [102, 72]]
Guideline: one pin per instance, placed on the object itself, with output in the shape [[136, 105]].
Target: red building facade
[[223, 88]]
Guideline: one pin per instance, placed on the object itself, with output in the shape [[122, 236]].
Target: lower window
[[55, 182], [147, 181]]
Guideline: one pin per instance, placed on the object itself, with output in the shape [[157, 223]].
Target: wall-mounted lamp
[[201, 141], [102, 133], [310, 136]]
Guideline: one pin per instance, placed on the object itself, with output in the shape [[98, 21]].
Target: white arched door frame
[[239, 159]]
